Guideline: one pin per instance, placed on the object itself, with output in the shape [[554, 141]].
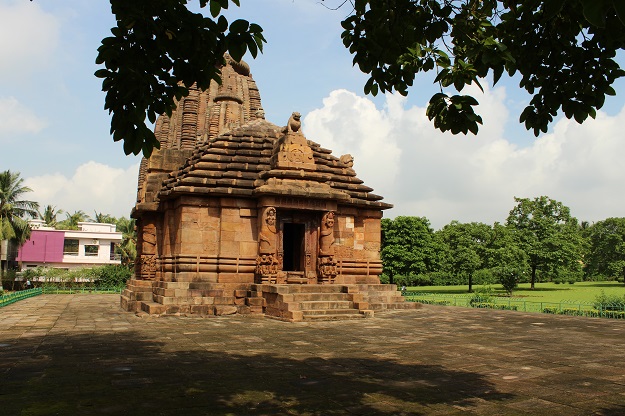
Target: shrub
[[384, 279], [111, 275], [508, 277], [482, 295], [609, 302]]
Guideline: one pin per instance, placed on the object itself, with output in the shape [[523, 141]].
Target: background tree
[[467, 245], [104, 218], [49, 215], [127, 249], [508, 261], [545, 230], [14, 211], [408, 246], [71, 220], [607, 248]]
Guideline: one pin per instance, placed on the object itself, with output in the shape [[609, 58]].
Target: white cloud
[[16, 118], [28, 38], [93, 187], [473, 178]]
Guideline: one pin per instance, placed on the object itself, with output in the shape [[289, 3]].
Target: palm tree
[[49, 215], [104, 218], [14, 210], [71, 221], [128, 247]]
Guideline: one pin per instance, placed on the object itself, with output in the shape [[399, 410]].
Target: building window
[[70, 247], [91, 250]]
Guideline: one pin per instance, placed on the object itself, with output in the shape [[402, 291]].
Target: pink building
[[92, 245]]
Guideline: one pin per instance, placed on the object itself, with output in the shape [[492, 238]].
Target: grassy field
[[544, 292]]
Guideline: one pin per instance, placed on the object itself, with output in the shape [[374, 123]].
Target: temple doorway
[[294, 246]]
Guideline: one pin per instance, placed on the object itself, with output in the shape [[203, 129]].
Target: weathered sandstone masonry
[[238, 215]]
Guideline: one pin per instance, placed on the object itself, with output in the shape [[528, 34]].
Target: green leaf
[[215, 8], [102, 73], [552, 7], [619, 6], [595, 12], [239, 26]]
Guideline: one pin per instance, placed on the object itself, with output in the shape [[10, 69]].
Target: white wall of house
[[94, 247]]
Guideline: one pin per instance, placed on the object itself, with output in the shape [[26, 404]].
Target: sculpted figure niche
[[326, 265], [267, 262]]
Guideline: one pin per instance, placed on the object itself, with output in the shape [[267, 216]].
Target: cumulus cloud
[[16, 118], [28, 37], [93, 187], [473, 178]]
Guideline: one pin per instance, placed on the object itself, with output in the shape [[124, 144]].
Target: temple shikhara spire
[[238, 215]]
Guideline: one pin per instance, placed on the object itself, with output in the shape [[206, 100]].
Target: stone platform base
[[288, 302]]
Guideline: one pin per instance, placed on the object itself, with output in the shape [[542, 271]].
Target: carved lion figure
[[294, 123]]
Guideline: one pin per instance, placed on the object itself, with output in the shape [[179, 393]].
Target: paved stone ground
[[82, 355]]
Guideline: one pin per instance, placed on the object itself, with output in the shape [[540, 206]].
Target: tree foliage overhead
[[158, 49], [562, 50]]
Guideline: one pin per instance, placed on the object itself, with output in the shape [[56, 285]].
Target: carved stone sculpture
[[267, 262], [347, 160], [292, 150], [294, 123], [326, 236], [326, 265], [267, 235]]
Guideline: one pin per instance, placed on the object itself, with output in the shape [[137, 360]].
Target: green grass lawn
[[544, 292]]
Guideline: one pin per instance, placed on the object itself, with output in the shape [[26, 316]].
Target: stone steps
[[309, 297], [281, 301], [321, 305], [354, 314]]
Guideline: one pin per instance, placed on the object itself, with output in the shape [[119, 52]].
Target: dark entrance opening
[[293, 246]]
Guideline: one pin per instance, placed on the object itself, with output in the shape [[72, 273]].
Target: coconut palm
[[128, 246], [71, 221], [104, 218], [14, 211], [49, 215]]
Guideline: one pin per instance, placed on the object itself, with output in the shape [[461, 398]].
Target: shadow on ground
[[125, 374]]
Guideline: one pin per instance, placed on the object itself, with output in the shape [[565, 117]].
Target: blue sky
[[54, 130]]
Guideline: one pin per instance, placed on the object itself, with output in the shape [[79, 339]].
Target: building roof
[[217, 143], [245, 162]]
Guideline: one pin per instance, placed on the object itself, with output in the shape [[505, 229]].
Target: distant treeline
[[539, 242]]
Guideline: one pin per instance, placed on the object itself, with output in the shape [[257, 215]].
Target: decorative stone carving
[[294, 123], [347, 160], [326, 265], [326, 235], [268, 233], [148, 266], [267, 262], [292, 150]]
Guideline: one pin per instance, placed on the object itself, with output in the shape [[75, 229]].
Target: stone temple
[[238, 215]]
